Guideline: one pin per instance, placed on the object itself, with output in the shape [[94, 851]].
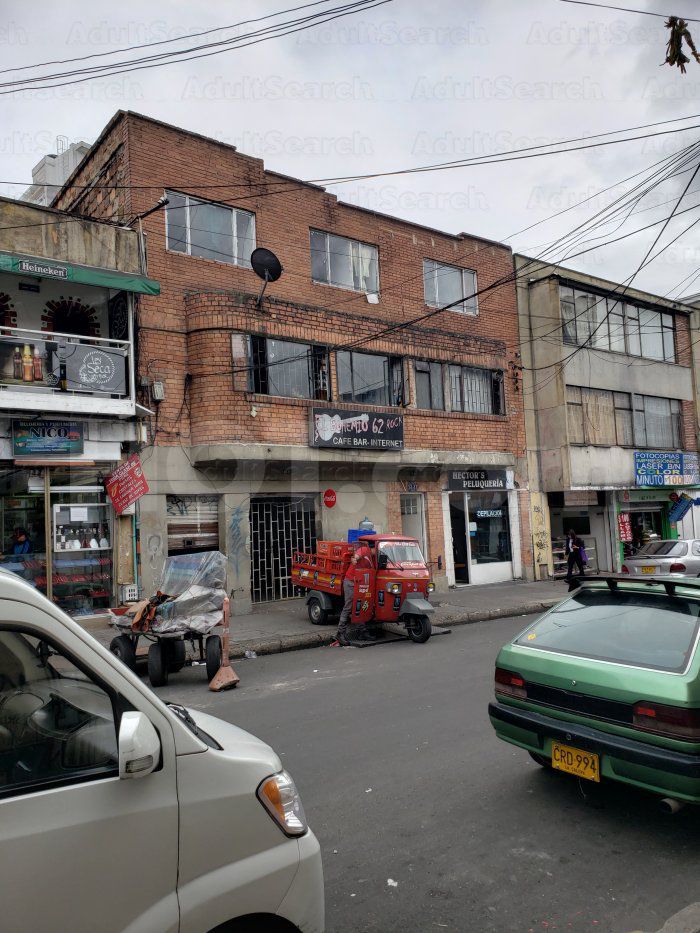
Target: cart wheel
[[419, 629], [157, 665], [213, 653], [123, 648], [176, 655], [317, 614]]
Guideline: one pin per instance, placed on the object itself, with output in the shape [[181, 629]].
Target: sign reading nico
[[356, 430], [39, 438]]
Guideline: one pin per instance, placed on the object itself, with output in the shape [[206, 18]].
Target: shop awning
[[40, 268]]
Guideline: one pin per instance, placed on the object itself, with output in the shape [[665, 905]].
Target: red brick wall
[[151, 157]]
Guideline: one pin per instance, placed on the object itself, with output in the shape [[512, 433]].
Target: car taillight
[[677, 568], [625, 568], [510, 684], [674, 721]]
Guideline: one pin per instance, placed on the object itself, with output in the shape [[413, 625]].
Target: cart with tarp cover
[[187, 607]]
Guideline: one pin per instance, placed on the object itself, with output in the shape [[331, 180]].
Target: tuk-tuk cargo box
[[338, 550]]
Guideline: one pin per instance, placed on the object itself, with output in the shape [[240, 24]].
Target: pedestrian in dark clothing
[[22, 544], [574, 557], [363, 554]]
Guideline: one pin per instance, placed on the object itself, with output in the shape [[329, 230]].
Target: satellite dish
[[265, 264]]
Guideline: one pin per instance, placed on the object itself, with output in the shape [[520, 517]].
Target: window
[[336, 260], [210, 231], [57, 726], [193, 524], [608, 419], [284, 368], [477, 390], [370, 379], [645, 629], [429, 391], [609, 323], [445, 284], [488, 511]]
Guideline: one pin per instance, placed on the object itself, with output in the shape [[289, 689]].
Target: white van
[[119, 812]]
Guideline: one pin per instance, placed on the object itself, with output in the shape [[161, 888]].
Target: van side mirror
[[139, 745], [382, 561]]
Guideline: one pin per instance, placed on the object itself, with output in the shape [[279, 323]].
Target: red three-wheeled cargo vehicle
[[393, 586]]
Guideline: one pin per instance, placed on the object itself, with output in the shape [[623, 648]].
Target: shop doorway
[[279, 525], [413, 519], [460, 541], [647, 525], [23, 524]]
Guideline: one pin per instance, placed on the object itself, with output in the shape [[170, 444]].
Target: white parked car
[[119, 812]]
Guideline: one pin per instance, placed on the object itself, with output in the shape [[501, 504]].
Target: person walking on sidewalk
[[574, 555], [364, 555]]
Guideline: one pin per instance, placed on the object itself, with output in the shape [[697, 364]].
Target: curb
[[279, 644], [685, 921]]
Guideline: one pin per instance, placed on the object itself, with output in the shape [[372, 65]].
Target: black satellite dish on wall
[[267, 266]]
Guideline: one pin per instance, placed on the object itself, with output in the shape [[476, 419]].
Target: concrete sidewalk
[[285, 626]]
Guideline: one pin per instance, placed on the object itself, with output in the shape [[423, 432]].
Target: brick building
[[269, 406]]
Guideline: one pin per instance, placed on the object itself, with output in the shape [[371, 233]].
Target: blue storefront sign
[[39, 438], [666, 468], [680, 509]]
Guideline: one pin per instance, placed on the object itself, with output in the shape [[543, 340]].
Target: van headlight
[[280, 797], [430, 588]]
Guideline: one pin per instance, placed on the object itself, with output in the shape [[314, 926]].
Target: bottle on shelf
[[27, 364], [38, 365], [84, 540], [104, 541], [94, 541], [17, 363]]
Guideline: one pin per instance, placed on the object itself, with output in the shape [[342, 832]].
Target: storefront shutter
[[193, 524]]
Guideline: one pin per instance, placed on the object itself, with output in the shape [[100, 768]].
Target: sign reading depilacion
[[666, 468], [41, 438]]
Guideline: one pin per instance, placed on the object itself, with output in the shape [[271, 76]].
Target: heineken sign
[[39, 438], [43, 269]]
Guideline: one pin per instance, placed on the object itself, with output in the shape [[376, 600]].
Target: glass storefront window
[[488, 527], [81, 539], [23, 525]]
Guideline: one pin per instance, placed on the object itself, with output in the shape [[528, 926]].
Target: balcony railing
[[75, 371]]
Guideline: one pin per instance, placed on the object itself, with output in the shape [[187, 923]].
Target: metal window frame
[[437, 264], [234, 211], [327, 246]]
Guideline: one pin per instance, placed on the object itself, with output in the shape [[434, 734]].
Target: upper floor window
[[609, 323], [429, 388], [604, 418], [210, 231], [477, 390], [370, 379], [445, 284], [292, 370], [336, 260]]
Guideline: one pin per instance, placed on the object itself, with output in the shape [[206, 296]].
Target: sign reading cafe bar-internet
[[355, 430]]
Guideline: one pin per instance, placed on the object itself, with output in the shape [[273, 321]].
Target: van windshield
[[643, 628]]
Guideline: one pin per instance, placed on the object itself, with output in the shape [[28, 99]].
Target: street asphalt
[[428, 822]]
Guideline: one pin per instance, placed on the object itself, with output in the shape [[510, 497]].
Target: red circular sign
[[674, 497], [329, 498]]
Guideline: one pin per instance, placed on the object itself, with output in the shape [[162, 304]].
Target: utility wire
[[624, 9]]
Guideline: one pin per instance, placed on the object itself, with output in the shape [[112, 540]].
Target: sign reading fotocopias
[[476, 479], [355, 430], [665, 468], [39, 438]]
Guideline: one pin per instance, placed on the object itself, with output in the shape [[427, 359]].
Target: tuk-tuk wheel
[[317, 614], [419, 629], [158, 664]]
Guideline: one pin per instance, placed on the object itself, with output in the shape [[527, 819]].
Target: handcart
[[187, 608]]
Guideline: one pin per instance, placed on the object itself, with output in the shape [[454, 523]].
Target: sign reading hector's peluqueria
[[464, 480]]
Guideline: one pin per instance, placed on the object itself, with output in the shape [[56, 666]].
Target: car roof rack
[[613, 580]]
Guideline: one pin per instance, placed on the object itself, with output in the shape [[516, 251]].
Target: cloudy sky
[[402, 85]]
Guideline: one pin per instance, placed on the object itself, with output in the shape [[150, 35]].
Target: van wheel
[[157, 665], [213, 655], [176, 655], [123, 648], [419, 629], [317, 614]]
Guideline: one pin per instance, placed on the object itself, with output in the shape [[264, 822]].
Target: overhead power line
[[624, 9]]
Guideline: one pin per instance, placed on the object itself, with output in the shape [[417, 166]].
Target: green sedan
[[607, 685]]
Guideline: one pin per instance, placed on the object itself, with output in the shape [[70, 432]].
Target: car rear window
[[644, 628], [663, 549]]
